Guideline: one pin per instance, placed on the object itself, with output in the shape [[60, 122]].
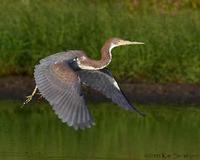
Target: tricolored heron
[[59, 78]]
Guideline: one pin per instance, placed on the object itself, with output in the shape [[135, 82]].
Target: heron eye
[[117, 41]]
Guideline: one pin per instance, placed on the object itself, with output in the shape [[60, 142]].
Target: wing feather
[[103, 82], [60, 86]]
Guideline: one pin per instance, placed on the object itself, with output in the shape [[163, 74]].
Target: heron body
[[59, 79]]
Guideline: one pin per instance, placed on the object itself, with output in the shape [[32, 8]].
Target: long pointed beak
[[128, 43], [136, 42]]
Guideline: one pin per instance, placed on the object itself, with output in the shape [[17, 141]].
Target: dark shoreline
[[17, 87]]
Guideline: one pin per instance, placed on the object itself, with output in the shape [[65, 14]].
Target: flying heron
[[59, 78]]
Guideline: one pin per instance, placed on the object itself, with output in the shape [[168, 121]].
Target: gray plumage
[[61, 87], [102, 81], [59, 78]]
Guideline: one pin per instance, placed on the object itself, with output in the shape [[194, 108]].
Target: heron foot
[[30, 97]]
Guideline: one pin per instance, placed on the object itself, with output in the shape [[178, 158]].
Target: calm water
[[35, 133]]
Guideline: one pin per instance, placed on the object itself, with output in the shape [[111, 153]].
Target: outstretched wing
[[102, 81], [60, 86]]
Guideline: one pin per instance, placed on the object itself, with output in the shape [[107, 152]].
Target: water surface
[[35, 133]]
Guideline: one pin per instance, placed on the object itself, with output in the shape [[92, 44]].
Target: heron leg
[[29, 98]]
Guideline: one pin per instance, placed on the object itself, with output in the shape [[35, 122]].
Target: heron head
[[115, 42]]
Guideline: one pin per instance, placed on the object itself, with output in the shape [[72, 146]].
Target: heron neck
[[104, 61], [106, 55]]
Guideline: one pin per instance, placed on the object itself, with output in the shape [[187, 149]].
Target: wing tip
[[83, 126], [138, 111]]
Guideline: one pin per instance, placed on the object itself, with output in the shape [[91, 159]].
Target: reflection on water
[[35, 133]]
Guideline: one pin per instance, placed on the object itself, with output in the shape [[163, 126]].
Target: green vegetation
[[36, 133], [31, 30]]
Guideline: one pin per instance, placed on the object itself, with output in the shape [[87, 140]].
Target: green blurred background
[[35, 133], [31, 30]]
